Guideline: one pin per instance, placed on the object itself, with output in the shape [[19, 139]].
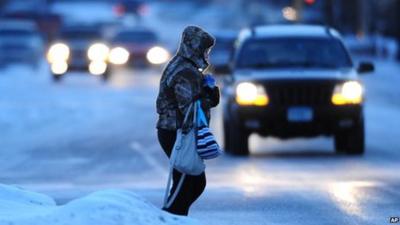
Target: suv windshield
[[299, 52]]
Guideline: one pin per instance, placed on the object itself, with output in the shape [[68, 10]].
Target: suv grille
[[300, 93]]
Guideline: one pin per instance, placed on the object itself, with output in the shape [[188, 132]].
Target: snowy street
[[69, 139]]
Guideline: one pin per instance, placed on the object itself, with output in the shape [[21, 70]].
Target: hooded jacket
[[182, 81]]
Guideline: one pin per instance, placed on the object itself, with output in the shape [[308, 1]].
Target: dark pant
[[192, 186]]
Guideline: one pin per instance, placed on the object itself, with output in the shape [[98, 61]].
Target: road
[[83, 135]]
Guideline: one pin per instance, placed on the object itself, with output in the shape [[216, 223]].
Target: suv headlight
[[98, 52], [58, 52], [250, 94], [350, 92]]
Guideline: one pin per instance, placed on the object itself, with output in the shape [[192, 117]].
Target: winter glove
[[209, 81]]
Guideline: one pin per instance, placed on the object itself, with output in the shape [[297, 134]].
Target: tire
[[227, 136], [236, 140], [351, 141], [34, 66], [106, 76], [56, 78], [356, 144], [340, 143]]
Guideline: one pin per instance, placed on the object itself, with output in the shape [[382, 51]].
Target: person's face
[[207, 54]]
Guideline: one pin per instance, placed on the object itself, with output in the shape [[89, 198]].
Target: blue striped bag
[[207, 146]]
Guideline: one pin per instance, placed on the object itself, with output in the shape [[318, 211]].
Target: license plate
[[300, 114]]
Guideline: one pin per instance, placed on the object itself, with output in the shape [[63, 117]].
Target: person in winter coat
[[183, 82]]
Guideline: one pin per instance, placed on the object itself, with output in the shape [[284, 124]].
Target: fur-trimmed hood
[[194, 43]]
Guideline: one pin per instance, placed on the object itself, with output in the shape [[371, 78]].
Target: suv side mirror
[[365, 67]]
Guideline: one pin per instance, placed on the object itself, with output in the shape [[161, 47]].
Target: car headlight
[[97, 67], [250, 94], [118, 56], [59, 67], [98, 52], [58, 52], [350, 92], [157, 55]]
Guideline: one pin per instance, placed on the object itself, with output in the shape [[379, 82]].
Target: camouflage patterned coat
[[182, 81]]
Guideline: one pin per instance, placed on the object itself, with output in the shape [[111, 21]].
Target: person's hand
[[209, 81]]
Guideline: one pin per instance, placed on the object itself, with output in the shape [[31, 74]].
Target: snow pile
[[109, 207]]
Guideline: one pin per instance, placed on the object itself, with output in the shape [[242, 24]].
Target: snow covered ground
[[107, 207]]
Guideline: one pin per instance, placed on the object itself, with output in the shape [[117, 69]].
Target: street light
[[290, 13]]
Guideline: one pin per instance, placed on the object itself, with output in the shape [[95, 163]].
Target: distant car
[[142, 45], [79, 48], [37, 11], [83, 11], [135, 7], [294, 81], [222, 51], [20, 42]]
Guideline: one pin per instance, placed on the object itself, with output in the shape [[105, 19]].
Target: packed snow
[[108, 207]]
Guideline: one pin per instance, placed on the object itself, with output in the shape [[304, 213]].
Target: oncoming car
[[143, 46], [294, 81], [222, 51], [79, 48], [20, 42]]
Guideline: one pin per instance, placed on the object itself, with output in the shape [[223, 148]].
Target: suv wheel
[[351, 141], [235, 139], [227, 136], [340, 143]]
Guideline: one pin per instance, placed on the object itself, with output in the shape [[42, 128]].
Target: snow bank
[[109, 207]]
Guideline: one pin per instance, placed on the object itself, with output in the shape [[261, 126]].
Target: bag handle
[[201, 115], [168, 202], [185, 119]]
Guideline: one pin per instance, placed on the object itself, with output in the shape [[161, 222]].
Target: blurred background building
[[368, 20]]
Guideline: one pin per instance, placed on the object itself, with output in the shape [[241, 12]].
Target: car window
[[293, 52], [81, 35], [16, 33], [136, 36], [224, 44], [19, 36]]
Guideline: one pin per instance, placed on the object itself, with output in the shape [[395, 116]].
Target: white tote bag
[[184, 157]]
